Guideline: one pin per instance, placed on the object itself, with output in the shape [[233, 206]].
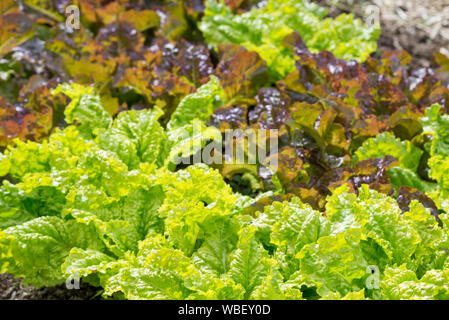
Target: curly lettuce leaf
[[122, 222], [187, 210], [18, 206], [85, 108], [273, 287], [386, 144], [199, 105], [215, 254], [156, 271], [437, 126], [250, 263], [289, 226], [188, 141], [297, 225], [405, 177], [431, 250], [334, 263], [40, 246], [403, 284], [379, 218], [144, 130], [439, 167]]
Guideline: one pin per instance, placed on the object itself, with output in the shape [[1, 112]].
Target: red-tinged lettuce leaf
[[168, 72], [230, 117], [183, 59], [15, 28], [405, 123], [270, 111], [241, 73], [379, 86], [115, 50], [36, 112], [290, 166], [325, 110], [374, 172], [18, 122], [406, 195]]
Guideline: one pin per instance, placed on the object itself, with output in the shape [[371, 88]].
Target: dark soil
[[12, 289]]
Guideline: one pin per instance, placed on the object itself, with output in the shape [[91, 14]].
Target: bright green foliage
[[332, 264], [85, 108], [249, 262], [189, 211], [136, 136], [39, 247], [438, 126], [188, 141], [103, 181], [405, 152], [400, 283], [199, 105], [405, 177], [108, 207], [378, 217], [263, 29], [386, 144]]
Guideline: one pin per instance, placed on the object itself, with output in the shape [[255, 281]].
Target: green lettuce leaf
[[18, 206], [250, 263], [334, 263], [187, 209], [85, 108], [431, 252], [379, 218], [405, 177], [146, 133], [437, 126], [215, 254], [40, 246], [386, 144], [189, 140], [401, 283], [199, 105]]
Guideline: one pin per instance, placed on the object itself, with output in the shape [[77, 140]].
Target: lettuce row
[[263, 29], [98, 172], [105, 205], [242, 257]]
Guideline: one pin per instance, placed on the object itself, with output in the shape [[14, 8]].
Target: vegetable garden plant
[[93, 122]]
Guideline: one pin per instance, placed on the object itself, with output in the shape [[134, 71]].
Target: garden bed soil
[[12, 289]]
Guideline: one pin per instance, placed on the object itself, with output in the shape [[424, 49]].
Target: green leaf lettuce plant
[[103, 203]]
